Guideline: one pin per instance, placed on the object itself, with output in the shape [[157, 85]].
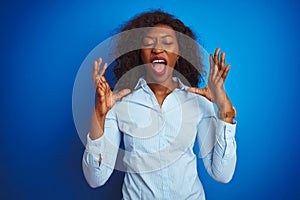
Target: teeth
[[158, 61]]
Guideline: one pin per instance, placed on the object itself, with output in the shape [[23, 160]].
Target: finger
[[216, 56], [100, 81], [121, 94], [211, 62], [215, 72], [105, 84], [214, 66], [107, 87], [102, 85], [99, 63], [95, 70], [103, 79], [201, 91], [197, 90], [100, 91], [103, 69], [192, 89], [222, 64], [96, 81], [224, 75], [212, 69]]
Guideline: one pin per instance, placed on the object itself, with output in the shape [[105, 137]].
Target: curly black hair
[[191, 71]]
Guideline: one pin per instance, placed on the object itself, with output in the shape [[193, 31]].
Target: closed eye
[[168, 43], [148, 41]]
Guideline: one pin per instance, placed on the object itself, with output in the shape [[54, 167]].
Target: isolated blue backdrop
[[44, 43]]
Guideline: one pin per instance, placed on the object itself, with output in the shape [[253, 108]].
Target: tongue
[[158, 67]]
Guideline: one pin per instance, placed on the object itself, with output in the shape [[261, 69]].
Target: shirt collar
[[143, 84]]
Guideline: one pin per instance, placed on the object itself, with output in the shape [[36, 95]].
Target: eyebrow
[[148, 36], [166, 36]]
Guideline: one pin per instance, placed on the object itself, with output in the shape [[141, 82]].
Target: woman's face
[[159, 53]]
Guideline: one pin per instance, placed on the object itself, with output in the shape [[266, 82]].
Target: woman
[[160, 117]]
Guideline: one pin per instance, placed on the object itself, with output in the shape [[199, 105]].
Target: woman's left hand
[[214, 90]]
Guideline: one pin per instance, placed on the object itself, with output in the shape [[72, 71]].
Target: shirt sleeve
[[217, 145], [106, 147]]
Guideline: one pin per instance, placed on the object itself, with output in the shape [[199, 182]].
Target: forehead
[[160, 30]]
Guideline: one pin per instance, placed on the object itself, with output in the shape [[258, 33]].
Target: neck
[[163, 88]]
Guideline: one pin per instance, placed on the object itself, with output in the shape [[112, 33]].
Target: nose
[[157, 49]]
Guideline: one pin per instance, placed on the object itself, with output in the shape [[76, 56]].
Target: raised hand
[[105, 100], [214, 90], [105, 97]]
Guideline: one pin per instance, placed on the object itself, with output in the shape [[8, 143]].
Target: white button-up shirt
[[158, 155]]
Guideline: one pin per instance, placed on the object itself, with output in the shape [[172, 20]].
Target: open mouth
[[159, 65]]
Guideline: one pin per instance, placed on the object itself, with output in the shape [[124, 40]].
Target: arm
[[217, 148], [216, 136], [100, 154], [104, 138]]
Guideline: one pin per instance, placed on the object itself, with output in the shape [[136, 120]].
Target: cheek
[[172, 60], [145, 55], [174, 48]]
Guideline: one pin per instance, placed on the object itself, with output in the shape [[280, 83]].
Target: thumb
[[121, 94], [197, 91], [201, 91]]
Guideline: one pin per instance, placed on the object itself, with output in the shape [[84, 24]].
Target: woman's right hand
[[105, 100], [105, 97]]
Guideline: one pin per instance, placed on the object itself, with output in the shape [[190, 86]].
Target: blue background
[[44, 43]]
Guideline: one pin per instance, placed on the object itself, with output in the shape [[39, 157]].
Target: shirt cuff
[[95, 147], [228, 128]]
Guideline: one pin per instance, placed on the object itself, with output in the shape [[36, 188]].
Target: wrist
[[100, 112], [227, 115], [96, 126]]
